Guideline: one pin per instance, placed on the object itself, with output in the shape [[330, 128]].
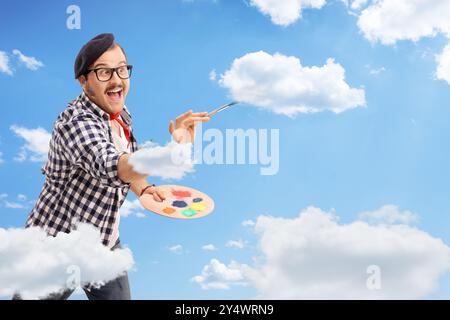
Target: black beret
[[91, 51]]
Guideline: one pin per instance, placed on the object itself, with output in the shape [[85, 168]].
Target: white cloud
[[30, 62], [209, 247], [1, 159], [443, 65], [377, 71], [37, 143], [131, 207], [238, 244], [282, 85], [285, 12], [355, 4], [141, 215], [22, 204], [14, 205], [171, 161], [312, 256], [177, 249], [213, 75], [389, 214], [4, 64], [389, 21], [35, 264], [247, 223], [217, 275]]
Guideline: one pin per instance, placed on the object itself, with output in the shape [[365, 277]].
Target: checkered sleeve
[[86, 145]]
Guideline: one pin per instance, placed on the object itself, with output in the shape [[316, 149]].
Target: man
[[87, 174]]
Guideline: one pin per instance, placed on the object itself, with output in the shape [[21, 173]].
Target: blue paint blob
[[179, 204], [198, 200]]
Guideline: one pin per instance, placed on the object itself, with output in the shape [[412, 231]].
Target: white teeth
[[115, 91]]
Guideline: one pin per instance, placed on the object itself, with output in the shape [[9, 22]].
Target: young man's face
[[109, 95]]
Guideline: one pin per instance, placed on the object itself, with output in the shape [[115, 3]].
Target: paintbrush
[[225, 106]]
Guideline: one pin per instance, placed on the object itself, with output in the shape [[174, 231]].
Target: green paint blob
[[189, 212]]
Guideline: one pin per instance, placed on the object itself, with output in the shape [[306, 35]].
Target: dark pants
[[117, 289]]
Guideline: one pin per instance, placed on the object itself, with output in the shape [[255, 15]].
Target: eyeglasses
[[105, 74]]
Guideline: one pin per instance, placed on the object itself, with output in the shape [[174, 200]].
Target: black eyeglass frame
[[129, 68]]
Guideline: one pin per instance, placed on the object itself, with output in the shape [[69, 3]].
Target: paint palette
[[180, 203]]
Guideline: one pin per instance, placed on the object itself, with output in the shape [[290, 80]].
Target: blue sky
[[393, 151]]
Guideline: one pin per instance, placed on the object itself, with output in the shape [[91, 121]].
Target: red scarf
[[115, 116]]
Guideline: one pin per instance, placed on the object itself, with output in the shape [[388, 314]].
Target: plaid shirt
[[82, 182]]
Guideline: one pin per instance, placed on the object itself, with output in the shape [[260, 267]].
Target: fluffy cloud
[[389, 21], [141, 215], [14, 205], [132, 208], [171, 161], [217, 275], [37, 143], [4, 64], [443, 65], [209, 247], [212, 75], [30, 62], [389, 214], [285, 12], [282, 85], [377, 71], [238, 244], [21, 203], [357, 4], [36, 265], [177, 249], [247, 223], [314, 256], [354, 5]]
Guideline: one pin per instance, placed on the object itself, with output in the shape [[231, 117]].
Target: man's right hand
[[158, 193]]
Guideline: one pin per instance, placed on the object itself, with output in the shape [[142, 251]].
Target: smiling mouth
[[115, 95]]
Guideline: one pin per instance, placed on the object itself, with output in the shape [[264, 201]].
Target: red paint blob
[[181, 194]]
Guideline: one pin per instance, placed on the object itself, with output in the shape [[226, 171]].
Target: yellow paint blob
[[198, 206]]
